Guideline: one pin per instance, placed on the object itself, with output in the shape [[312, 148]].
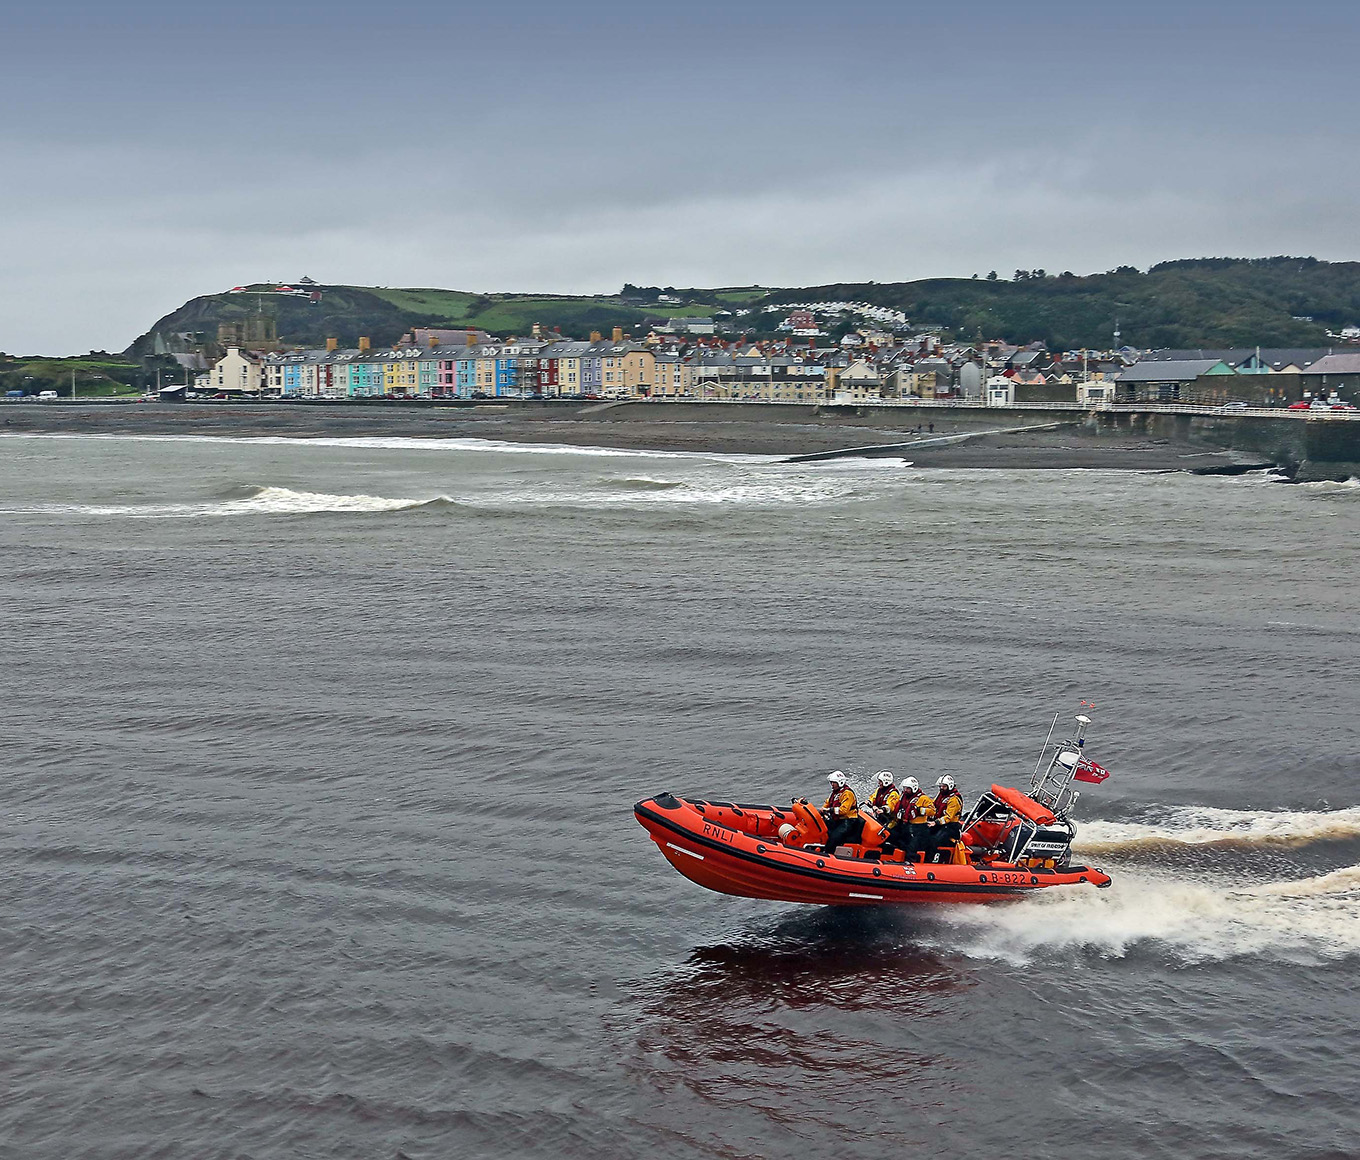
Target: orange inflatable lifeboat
[[1012, 842]]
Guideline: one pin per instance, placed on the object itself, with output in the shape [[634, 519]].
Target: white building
[[236, 371], [1000, 392]]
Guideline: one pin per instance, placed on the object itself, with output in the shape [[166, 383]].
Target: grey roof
[[1336, 364], [1272, 356], [1168, 371]]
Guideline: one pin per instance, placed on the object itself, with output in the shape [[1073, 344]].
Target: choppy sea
[[319, 758]]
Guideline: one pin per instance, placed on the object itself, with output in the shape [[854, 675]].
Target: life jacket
[[920, 809], [842, 803], [882, 798], [948, 806]]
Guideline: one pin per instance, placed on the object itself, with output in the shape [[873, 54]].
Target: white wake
[[1207, 826], [1314, 920]]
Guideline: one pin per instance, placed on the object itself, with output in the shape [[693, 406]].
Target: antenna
[[1034, 777]]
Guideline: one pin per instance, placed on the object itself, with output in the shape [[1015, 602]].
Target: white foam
[[1196, 920], [1205, 826], [286, 501], [414, 443], [263, 501], [1324, 485], [1343, 881]]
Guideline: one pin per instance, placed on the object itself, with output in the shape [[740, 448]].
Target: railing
[[1107, 406]]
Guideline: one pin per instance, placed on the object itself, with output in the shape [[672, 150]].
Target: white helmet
[[946, 782], [836, 778], [885, 778], [912, 784]]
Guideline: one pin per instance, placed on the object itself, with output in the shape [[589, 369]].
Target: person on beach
[[948, 824], [842, 813]]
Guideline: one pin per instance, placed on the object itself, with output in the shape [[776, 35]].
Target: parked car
[[1230, 407], [1301, 405], [47, 394]]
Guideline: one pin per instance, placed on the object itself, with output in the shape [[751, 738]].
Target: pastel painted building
[[237, 370]]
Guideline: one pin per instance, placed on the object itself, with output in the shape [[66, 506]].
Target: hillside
[[1209, 302], [1191, 303], [383, 315], [94, 374]]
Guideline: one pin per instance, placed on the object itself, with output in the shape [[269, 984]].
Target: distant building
[[690, 325], [1164, 380], [236, 371], [802, 323], [1331, 373], [423, 336], [259, 332]]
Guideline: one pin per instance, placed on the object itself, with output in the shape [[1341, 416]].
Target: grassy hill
[[383, 314], [1190, 303], [95, 374], [1212, 302]]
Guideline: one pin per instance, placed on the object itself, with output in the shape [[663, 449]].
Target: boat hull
[[735, 850]]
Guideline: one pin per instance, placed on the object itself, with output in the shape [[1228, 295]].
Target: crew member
[[884, 802], [948, 824], [843, 822], [910, 827]]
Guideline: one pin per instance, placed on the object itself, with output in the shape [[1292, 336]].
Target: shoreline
[[957, 441]]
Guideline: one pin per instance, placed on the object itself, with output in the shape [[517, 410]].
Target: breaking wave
[[1333, 485], [412, 443], [1312, 920], [643, 483], [255, 501], [1206, 826]]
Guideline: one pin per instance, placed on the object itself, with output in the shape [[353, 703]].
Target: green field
[[451, 304], [507, 314], [94, 376]]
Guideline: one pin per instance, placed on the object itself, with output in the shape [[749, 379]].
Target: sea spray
[[1190, 919], [1207, 826]]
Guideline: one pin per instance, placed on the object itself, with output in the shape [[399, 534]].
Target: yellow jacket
[[920, 809], [950, 808], [842, 803], [886, 798]]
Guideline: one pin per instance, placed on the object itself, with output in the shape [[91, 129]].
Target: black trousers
[[913, 837], [944, 836], [919, 840], [843, 830]]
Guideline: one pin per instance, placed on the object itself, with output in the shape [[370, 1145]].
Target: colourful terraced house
[[366, 377]]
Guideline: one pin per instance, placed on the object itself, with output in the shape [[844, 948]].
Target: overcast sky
[[153, 151]]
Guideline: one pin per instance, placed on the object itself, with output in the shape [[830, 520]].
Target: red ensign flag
[[1088, 770]]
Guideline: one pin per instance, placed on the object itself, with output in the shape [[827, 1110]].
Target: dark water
[[317, 830]]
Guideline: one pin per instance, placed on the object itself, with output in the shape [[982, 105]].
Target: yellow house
[[639, 370], [402, 376], [486, 375], [569, 375], [627, 370]]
